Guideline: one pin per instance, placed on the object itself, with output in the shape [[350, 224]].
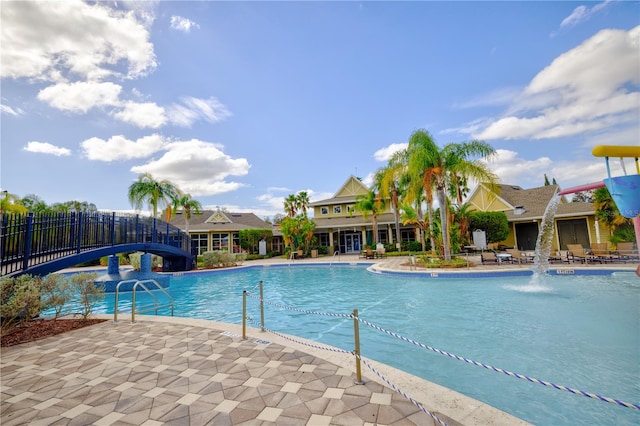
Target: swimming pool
[[576, 331]]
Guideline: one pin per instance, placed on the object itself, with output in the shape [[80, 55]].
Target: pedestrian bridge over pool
[[39, 244]]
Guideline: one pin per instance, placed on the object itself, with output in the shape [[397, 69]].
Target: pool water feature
[[575, 331]]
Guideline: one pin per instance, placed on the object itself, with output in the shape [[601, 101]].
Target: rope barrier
[[376, 372], [401, 392], [251, 320], [326, 314], [508, 373], [445, 353]]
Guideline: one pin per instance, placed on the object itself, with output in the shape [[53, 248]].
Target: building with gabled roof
[[341, 228], [217, 229], [575, 222]]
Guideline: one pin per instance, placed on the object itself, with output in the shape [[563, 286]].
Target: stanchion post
[[261, 309], [356, 334], [244, 315]]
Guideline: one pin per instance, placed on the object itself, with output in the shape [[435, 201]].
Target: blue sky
[[243, 103]]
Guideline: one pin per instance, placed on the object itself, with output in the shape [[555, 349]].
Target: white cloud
[[579, 92], [193, 109], [80, 97], [143, 115], [183, 24], [6, 109], [385, 154], [197, 167], [120, 148], [582, 13], [47, 148], [54, 41]]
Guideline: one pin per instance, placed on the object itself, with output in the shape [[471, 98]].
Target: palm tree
[[152, 192], [437, 166], [11, 203], [388, 181], [370, 203], [291, 205], [302, 201], [188, 206]]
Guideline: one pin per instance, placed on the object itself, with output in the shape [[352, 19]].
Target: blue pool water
[[578, 331]]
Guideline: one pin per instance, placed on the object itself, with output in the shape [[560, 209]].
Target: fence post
[[27, 242], [261, 309], [244, 315], [356, 334]]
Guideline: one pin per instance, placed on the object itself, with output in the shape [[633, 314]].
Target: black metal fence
[[32, 239]]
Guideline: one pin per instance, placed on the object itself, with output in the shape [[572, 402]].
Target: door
[[573, 231], [352, 243], [526, 235]]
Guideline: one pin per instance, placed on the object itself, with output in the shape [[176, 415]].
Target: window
[[351, 208], [200, 242], [220, 242], [337, 209], [236, 243], [324, 210]]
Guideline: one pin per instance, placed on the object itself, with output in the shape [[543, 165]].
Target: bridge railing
[[35, 238]]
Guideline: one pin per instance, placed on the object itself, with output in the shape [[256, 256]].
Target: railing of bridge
[[35, 238]]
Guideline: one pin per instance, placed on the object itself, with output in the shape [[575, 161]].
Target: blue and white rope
[[394, 387], [400, 391], [251, 320], [508, 373], [326, 314]]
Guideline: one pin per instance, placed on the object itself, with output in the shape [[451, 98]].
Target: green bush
[[220, 259], [19, 300], [56, 291], [88, 292], [494, 224], [134, 260]]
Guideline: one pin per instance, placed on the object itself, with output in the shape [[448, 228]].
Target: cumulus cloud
[[81, 96], [579, 92], [72, 39], [143, 115], [192, 109], [183, 24], [120, 148], [385, 154], [197, 167], [47, 148]]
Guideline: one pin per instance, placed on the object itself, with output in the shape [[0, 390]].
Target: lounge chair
[[369, 254], [577, 252], [488, 257], [518, 256], [626, 252], [600, 250], [556, 256]]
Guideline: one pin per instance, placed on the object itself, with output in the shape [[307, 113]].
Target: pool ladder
[[145, 308]]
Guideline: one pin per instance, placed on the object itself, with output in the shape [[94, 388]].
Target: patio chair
[[518, 256], [577, 252], [626, 252], [600, 250], [488, 257]]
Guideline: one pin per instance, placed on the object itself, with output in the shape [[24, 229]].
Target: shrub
[[88, 292], [19, 300], [219, 258], [134, 259], [56, 291], [494, 224]]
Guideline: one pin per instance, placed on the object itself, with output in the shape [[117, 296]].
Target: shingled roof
[[217, 220], [532, 203]]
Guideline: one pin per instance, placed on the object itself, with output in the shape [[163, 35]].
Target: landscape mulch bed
[[41, 328]]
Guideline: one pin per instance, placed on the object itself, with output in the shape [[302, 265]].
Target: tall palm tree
[[291, 205], [438, 165], [370, 203], [303, 201], [388, 181], [147, 190], [188, 206]]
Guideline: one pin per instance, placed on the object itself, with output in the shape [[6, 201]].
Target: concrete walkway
[[179, 371]]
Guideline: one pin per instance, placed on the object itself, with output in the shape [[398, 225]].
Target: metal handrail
[[155, 306], [337, 252]]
